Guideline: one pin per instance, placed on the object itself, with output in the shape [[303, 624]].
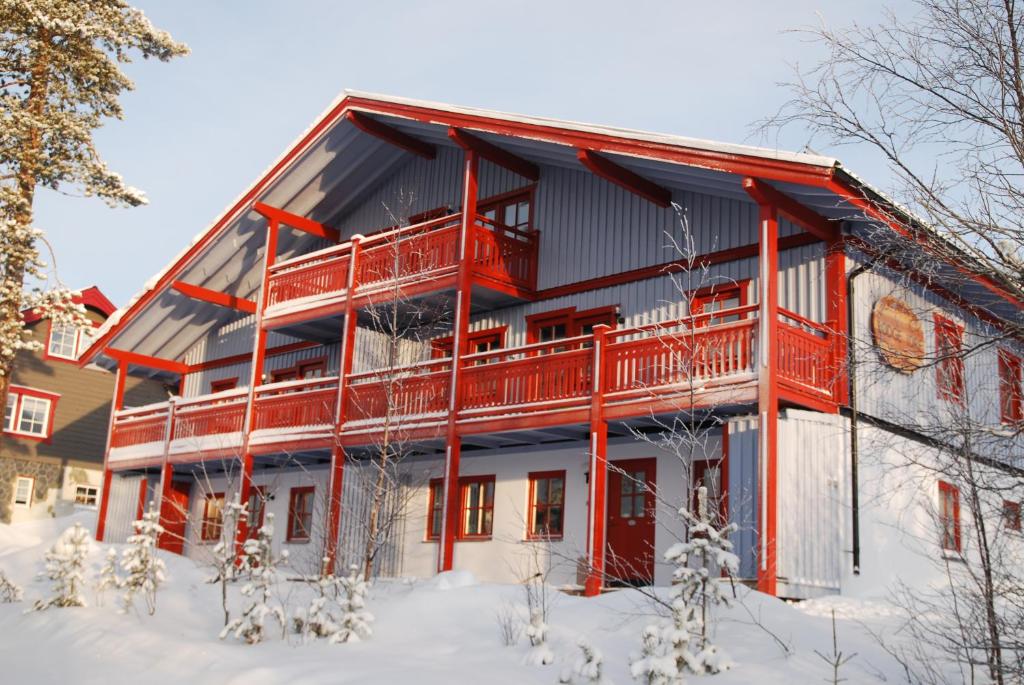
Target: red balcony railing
[[416, 254], [295, 405], [216, 414], [140, 426], [805, 352], [411, 392]]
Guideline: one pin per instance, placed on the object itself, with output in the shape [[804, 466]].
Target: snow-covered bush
[[108, 577], [144, 570], [539, 653], [65, 566], [696, 589], [588, 668], [224, 555], [656, 664], [355, 620], [259, 561], [339, 612], [9, 592]]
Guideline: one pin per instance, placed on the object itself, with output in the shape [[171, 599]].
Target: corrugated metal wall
[[358, 486], [123, 505], [743, 491], [813, 501]]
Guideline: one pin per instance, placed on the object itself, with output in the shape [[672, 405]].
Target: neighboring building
[[541, 249], [56, 419]]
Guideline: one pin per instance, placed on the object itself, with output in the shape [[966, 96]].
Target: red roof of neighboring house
[[91, 298]]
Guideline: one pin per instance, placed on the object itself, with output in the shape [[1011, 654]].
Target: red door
[[173, 514], [631, 511]]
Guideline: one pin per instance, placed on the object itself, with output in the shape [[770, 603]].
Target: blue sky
[[198, 130]]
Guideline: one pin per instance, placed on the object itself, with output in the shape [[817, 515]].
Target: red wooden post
[[449, 521], [835, 296], [259, 353], [348, 341], [116, 405], [768, 400], [597, 508], [166, 476]]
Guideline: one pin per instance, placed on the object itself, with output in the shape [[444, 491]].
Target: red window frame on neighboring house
[[300, 513], [573, 323], [12, 424], [718, 297], [314, 367], [257, 509], [213, 517], [949, 365], [547, 505], [949, 516], [1011, 407], [482, 508], [223, 384], [435, 509], [479, 341], [1011, 515], [513, 209]]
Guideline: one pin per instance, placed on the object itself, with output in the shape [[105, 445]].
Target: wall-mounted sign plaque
[[898, 334]]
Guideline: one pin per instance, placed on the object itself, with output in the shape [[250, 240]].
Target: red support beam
[[198, 292], [494, 154], [146, 361], [835, 297], [765, 194], [390, 134], [117, 404], [460, 332], [596, 502], [301, 223], [621, 176], [768, 402]]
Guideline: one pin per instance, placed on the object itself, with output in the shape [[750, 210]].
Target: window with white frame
[[23, 491], [68, 342], [28, 413], [86, 494]]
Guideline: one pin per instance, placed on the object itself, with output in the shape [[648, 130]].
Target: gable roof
[[91, 298]]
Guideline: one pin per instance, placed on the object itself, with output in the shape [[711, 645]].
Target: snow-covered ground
[[437, 631]]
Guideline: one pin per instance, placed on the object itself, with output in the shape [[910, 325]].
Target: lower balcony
[[708, 361]]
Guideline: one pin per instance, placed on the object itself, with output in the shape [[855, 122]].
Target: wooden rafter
[[297, 222], [621, 176], [392, 135], [765, 194], [494, 154], [146, 361], [198, 292]]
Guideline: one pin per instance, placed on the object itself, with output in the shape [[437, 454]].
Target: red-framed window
[[477, 507], [949, 516], [567, 323], [257, 509], [949, 367], [29, 413], [1011, 515], [547, 505], [435, 509], [514, 209], [479, 341], [1011, 407], [713, 474], [213, 517], [307, 368], [300, 513], [67, 343], [715, 298], [224, 384]]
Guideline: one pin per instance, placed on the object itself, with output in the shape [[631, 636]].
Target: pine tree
[[9, 591], [355, 620], [224, 556], [108, 577], [144, 570], [589, 666], [60, 77], [539, 653], [65, 566], [695, 591], [260, 562], [656, 664]]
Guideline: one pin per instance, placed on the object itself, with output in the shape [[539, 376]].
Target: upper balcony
[[409, 262], [709, 361]]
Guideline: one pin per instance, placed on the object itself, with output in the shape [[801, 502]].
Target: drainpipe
[[851, 356]]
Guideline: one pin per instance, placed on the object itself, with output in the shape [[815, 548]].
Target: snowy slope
[[431, 632]]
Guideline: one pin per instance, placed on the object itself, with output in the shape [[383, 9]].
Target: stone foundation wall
[[47, 476]]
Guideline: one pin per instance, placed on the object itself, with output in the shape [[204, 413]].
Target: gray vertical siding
[[123, 503], [743, 460]]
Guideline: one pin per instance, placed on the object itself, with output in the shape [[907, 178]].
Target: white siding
[[123, 503]]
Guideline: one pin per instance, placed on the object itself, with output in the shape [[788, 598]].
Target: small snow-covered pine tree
[[9, 591], [144, 570], [588, 668], [259, 560], [224, 555], [695, 590], [355, 619], [65, 566], [108, 577], [656, 664], [539, 653]]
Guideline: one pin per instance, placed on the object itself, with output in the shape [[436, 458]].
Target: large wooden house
[[560, 294]]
